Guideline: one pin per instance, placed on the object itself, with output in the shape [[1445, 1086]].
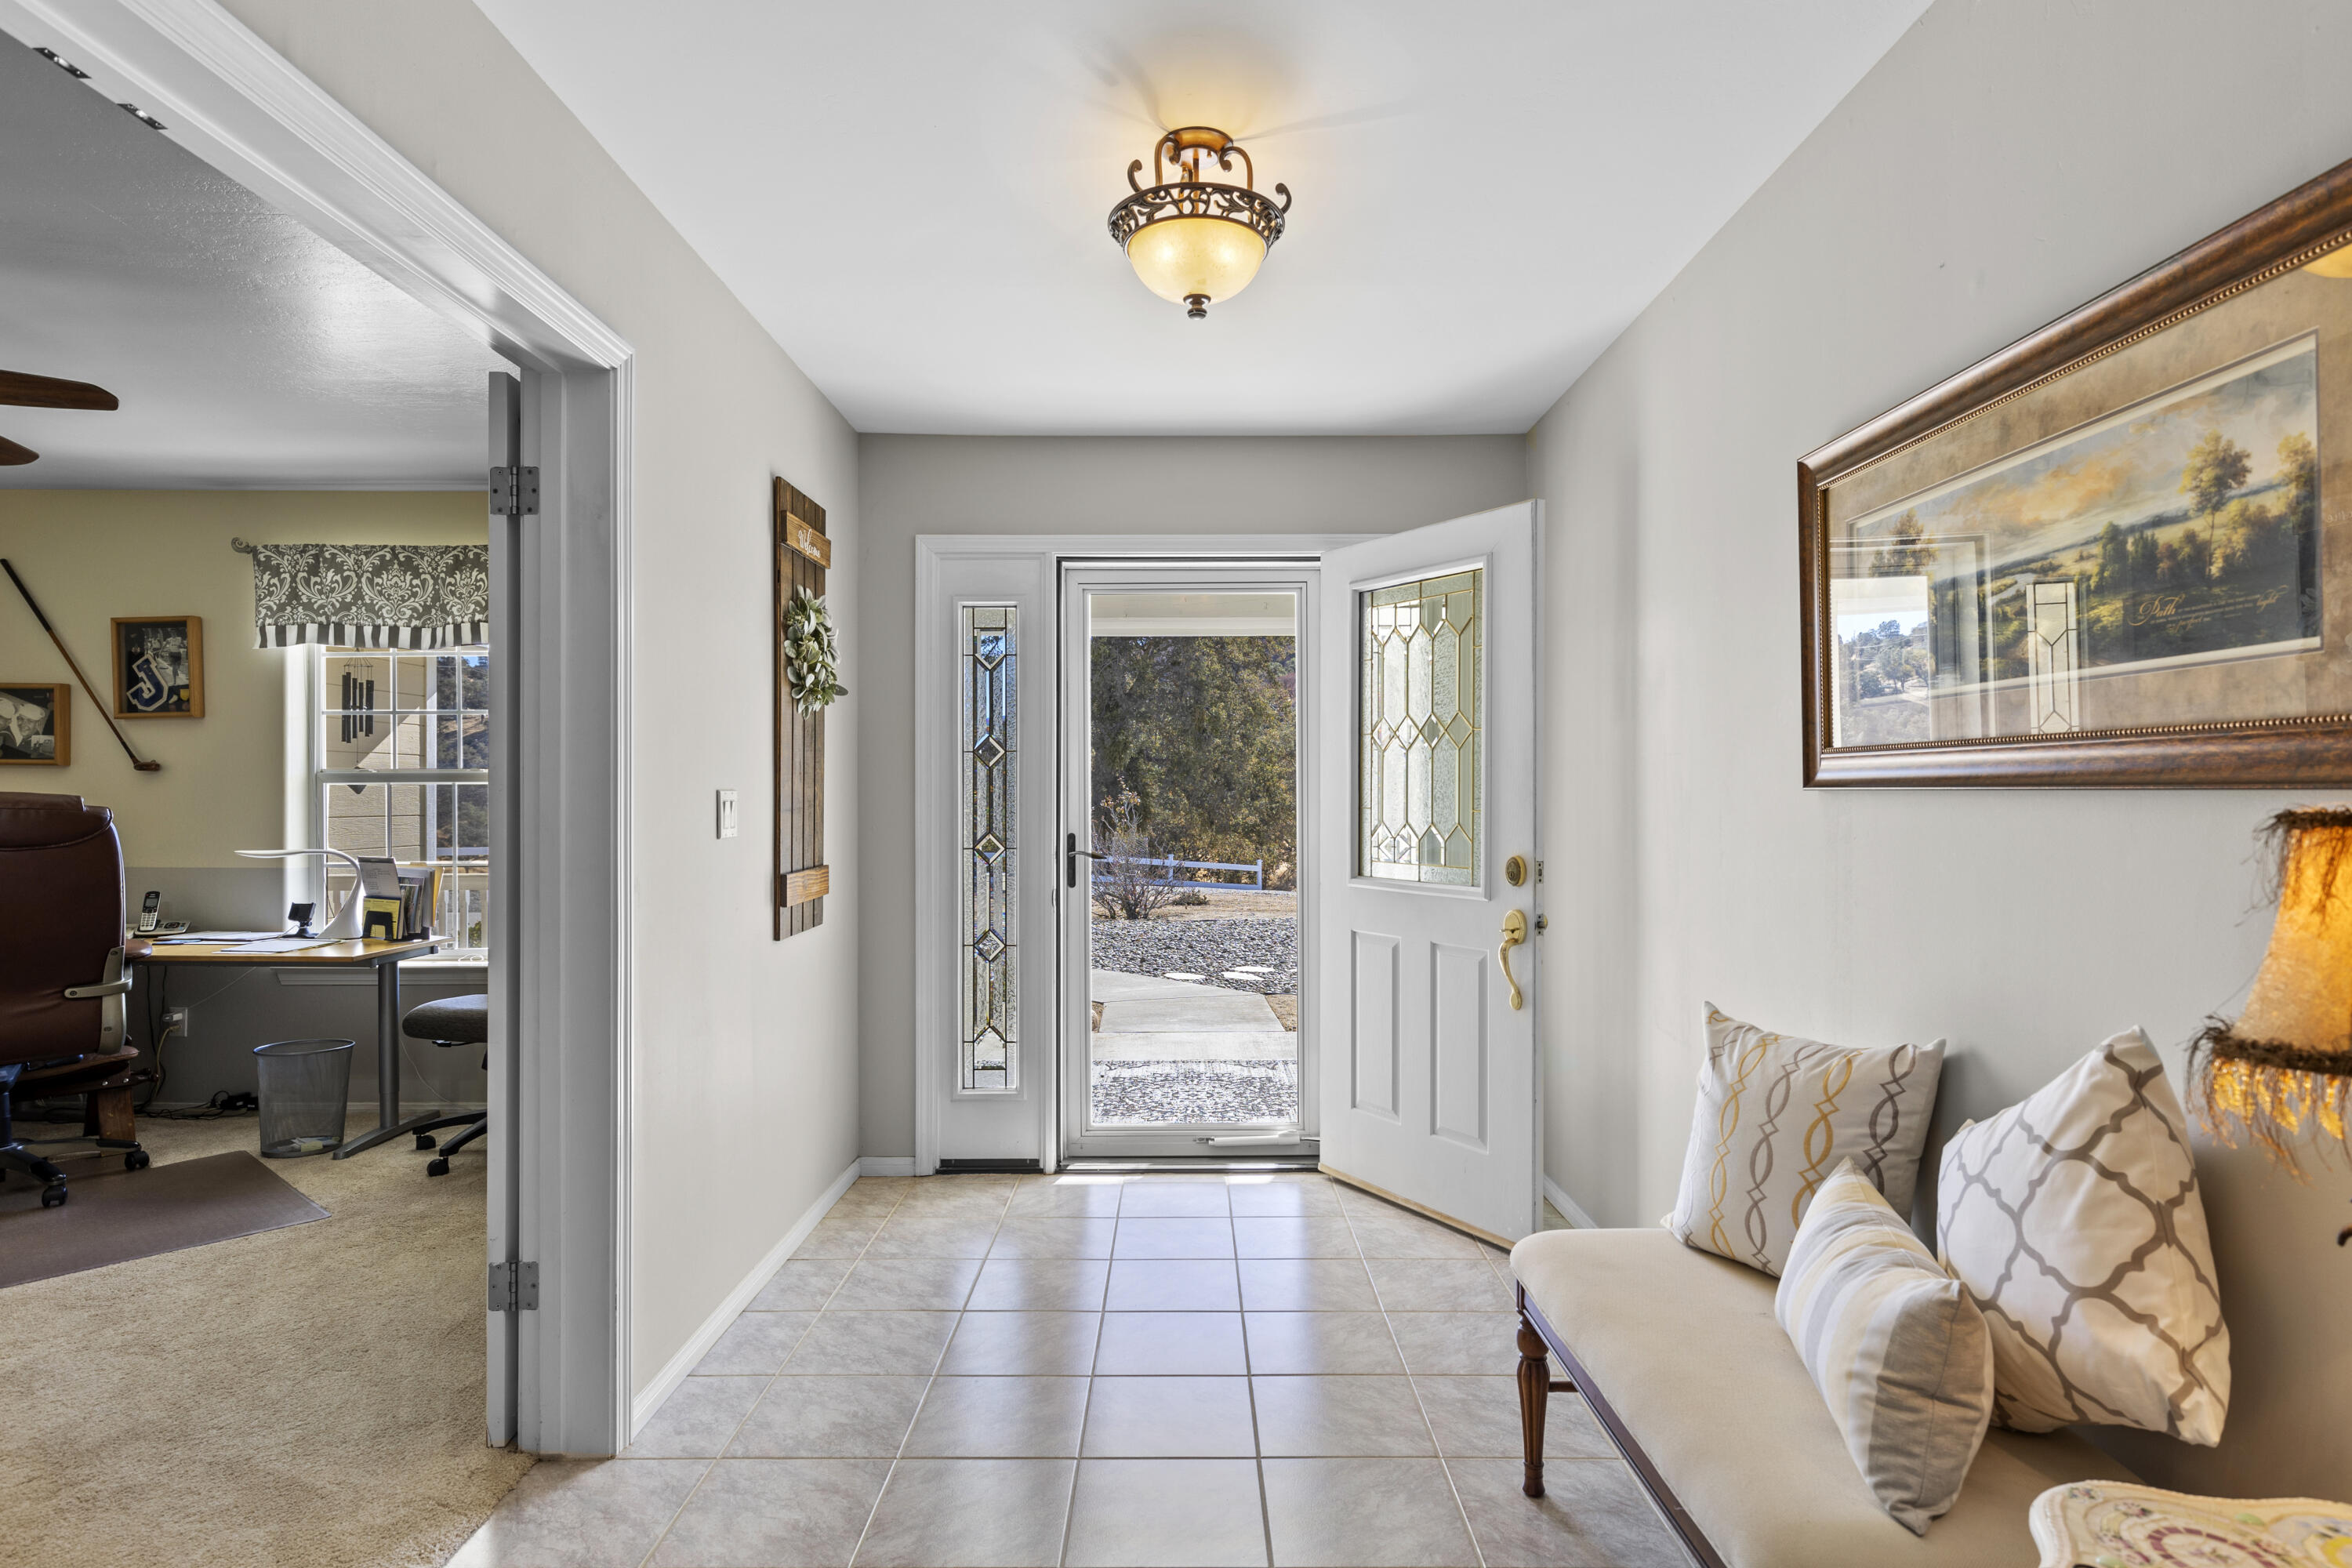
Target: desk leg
[[388, 1124]]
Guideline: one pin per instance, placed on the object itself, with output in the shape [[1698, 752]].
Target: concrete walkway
[[1145, 1019]]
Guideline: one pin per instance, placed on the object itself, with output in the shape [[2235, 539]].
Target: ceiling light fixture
[[1189, 240]]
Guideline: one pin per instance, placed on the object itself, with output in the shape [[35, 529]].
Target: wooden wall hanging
[[803, 554]]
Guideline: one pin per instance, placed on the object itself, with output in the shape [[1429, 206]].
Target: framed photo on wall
[[2118, 552], [36, 723], [159, 667]]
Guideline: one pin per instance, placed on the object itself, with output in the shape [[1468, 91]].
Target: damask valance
[[370, 596]]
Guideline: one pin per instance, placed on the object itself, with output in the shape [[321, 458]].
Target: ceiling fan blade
[[48, 392], [13, 455]]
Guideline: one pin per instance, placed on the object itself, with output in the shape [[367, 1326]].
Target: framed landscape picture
[[159, 667], [36, 723], [2118, 552]]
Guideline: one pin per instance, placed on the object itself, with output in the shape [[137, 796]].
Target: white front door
[[1427, 749]]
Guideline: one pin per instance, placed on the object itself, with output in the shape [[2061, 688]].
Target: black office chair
[[452, 1021]]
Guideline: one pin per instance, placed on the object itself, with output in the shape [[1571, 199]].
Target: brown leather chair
[[62, 977]]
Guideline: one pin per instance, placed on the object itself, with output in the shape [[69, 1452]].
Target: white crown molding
[[226, 95]]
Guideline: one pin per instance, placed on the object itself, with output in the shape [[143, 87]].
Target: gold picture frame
[[36, 724], [159, 667]]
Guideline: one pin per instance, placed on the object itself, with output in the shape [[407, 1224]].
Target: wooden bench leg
[[1534, 1394]]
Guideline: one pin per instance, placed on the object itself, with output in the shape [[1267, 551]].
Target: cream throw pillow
[[2074, 1220], [1775, 1116], [1894, 1344]]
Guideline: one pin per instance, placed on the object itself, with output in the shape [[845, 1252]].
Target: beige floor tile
[[697, 1419], [1299, 1342], [1305, 1285], [999, 1417], [1364, 1513], [1151, 1199], [941, 1194], [1168, 1418], [595, 1513], [1478, 1418], [1458, 1341], [1172, 1344], [839, 1237], [1339, 1415], [1383, 1230], [1293, 1235], [1022, 1344], [1040, 1285], [829, 1418], [754, 1344], [1594, 1514], [801, 1285], [975, 1513], [1165, 1513], [892, 1343], [1054, 1236], [1068, 1196], [775, 1513], [1283, 1198], [1161, 1236], [1172, 1285], [933, 1236], [1437, 1285], [907, 1284]]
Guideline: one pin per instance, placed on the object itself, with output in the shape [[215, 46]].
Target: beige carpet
[[310, 1395]]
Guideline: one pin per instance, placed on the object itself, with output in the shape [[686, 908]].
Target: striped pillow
[[1897, 1347], [1775, 1113]]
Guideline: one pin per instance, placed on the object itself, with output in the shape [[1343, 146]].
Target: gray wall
[[910, 485], [2007, 160]]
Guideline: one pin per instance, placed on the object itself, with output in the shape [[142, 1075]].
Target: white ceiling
[[912, 197], [248, 351]]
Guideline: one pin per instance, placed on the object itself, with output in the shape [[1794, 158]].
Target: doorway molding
[[1002, 568], [560, 1169]]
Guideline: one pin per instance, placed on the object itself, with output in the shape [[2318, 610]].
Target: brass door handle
[[1515, 931]]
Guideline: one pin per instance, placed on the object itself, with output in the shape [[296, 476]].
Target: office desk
[[384, 958]]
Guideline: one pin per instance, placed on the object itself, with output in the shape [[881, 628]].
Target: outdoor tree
[[2216, 467]]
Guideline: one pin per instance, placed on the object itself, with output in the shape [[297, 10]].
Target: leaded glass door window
[[1419, 737], [990, 1052]]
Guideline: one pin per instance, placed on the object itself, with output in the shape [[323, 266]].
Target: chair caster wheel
[[437, 1167], [427, 1141], [137, 1160], [53, 1196]]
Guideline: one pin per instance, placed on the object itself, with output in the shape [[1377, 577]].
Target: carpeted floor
[[310, 1395]]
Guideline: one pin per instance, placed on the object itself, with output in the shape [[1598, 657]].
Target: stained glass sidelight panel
[[991, 1041], [1417, 767]]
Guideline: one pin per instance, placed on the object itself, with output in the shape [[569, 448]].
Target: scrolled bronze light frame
[[2308, 750], [1191, 148]]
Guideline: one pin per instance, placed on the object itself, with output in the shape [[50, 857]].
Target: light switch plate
[[727, 814]]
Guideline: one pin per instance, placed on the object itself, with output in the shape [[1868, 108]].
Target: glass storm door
[[1427, 869], [1183, 691]]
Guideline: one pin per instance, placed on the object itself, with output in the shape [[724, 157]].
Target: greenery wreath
[[810, 654]]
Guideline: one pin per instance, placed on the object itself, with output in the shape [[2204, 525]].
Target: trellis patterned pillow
[[2073, 1219], [1776, 1114]]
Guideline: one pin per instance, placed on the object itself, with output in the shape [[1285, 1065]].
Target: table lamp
[[2286, 1063], [345, 926]]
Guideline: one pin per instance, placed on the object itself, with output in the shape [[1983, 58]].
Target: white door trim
[[940, 562], [232, 101]]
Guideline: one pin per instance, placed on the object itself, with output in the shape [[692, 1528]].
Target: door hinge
[[514, 1287], [514, 493]]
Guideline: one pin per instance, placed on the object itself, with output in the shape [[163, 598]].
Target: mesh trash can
[[305, 1086]]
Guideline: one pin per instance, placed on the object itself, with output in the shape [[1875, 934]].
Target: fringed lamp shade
[[2286, 1064]]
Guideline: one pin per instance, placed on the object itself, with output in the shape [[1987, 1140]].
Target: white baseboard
[[649, 1399], [887, 1165], [1568, 1206]]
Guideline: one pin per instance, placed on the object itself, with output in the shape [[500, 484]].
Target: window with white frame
[[401, 767]]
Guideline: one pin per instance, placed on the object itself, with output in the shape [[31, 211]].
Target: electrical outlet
[[727, 814], [182, 1018]]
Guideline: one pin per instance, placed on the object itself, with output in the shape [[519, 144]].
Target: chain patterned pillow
[[2074, 1220], [1775, 1115]]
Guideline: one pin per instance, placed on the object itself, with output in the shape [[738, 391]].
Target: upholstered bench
[[1680, 1359]]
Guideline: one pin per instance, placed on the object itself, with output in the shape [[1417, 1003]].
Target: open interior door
[[1426, 976]]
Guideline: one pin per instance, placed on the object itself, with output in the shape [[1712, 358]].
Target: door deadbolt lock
[[1515, 870]]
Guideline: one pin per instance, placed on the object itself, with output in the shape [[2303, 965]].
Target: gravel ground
[[1208, 948], [1131, 1094]]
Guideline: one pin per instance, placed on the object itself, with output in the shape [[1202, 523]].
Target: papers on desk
[[282, 944], [213, 938]]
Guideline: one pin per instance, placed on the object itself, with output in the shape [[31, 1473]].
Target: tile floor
[[1155, 1372]]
